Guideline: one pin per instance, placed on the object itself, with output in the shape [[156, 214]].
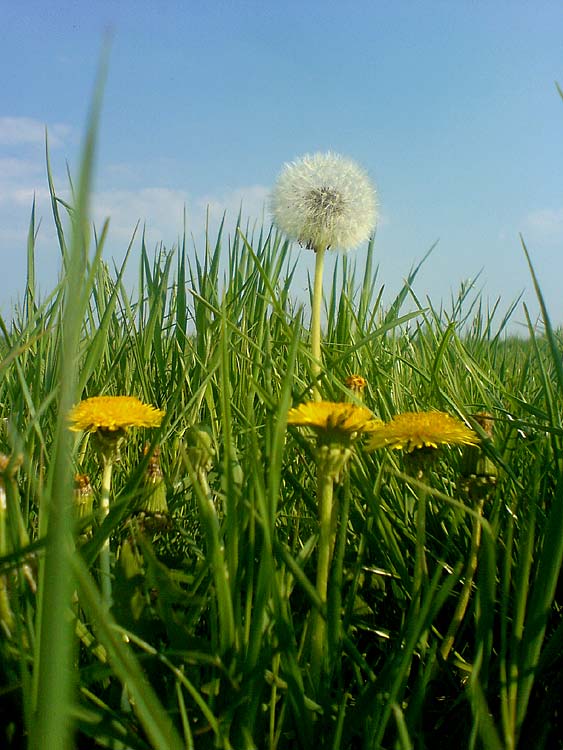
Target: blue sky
[[450, 106]]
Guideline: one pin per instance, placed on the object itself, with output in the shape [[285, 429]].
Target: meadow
[[438, 629]]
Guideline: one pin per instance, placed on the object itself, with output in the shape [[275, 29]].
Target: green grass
[[206, 644]]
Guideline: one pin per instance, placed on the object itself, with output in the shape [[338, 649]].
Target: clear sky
[[450, 106]]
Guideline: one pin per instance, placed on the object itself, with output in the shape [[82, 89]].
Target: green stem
[[215, 554], [325, 489], [316, 321], [334, 598], [420, 565], [105, 573], [463, 599], [6, 614]]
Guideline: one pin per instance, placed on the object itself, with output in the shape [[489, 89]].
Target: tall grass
[[205, 645]]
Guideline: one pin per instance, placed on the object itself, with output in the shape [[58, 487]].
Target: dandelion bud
[[154, 501], [131, 568], [8, 468], [357, 384], [478, 470], [83, 503], [200, 448], [83, 496]]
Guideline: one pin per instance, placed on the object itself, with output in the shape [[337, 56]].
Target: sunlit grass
[[442, 634]]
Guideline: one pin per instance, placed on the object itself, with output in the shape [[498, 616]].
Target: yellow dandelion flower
[[414, 430], [339, 419], [113, 413]]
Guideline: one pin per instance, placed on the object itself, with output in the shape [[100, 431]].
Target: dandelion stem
[[215, 546], [6, 614], [316, 321], [325, 490], [334, 598], [420, 565], [105, 574], [463, 599]]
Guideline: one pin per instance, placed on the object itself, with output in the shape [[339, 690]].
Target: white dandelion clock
[[325, 200], [322, 201]]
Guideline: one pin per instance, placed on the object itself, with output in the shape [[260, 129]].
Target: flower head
[[413, 430], [337, 426], [325, 200], [113, 414], [339, 420], [357, 385]]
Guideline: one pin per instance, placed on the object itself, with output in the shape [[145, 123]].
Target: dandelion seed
[[322, 201], [325, 200]]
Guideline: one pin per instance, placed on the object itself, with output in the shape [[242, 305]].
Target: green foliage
[[206, 642]]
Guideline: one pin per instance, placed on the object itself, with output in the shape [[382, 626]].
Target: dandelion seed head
[[325, 200]]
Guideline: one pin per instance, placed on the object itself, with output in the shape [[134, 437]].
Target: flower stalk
[[107, 444], [334, 595], [6, 613], [418, 463], [12, 534], [109, 418], [465, 593], [420, 434], [105, 554], [337, 426], [420, 565], [316, 365], [198, 458], [480, 476], [331, 460], [323, 201]]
